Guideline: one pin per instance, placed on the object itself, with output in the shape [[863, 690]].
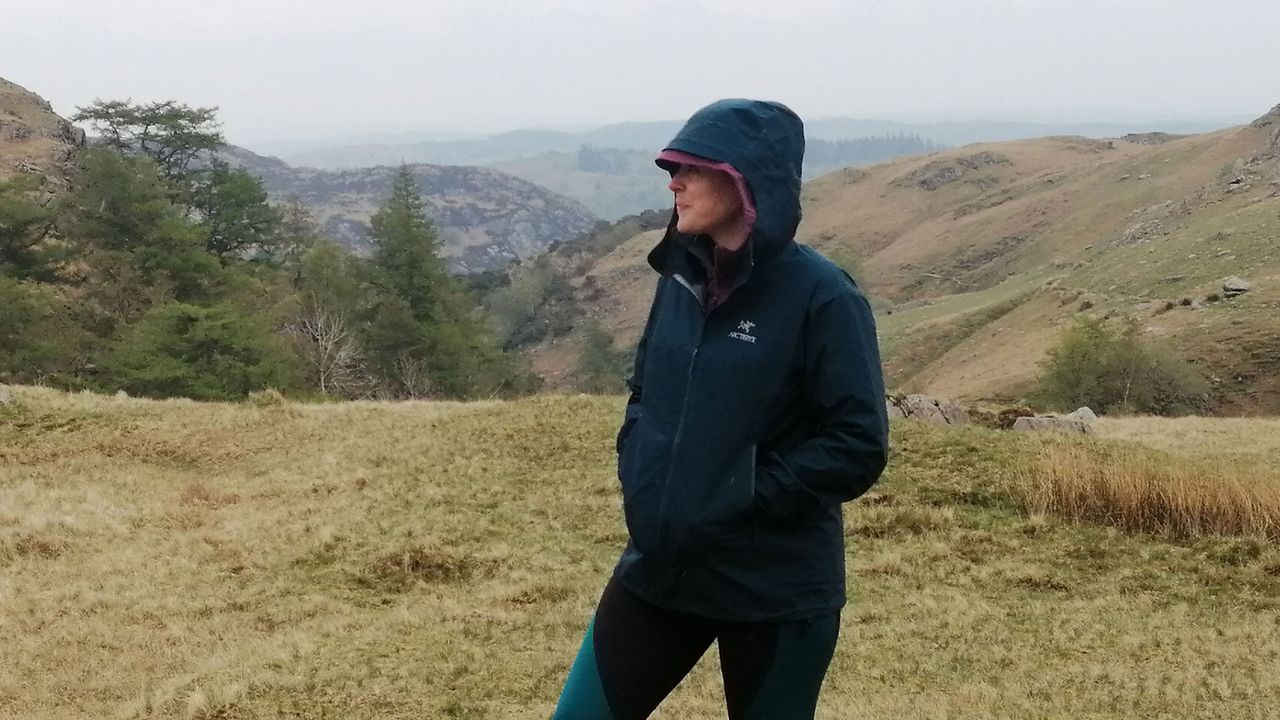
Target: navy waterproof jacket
[[749, 425]]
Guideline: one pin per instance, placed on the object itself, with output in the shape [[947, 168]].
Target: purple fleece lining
[[670, 160]]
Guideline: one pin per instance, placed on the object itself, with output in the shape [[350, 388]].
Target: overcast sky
[[281, 69]]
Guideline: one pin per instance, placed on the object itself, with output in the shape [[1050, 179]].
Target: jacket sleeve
[[843, 392], [635, 383]]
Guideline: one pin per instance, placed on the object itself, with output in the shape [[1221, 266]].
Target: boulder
[[1083, 414], [1235, 287], [1051, 424], [927, 409], [953, 412], [893, 410], [922, 407]]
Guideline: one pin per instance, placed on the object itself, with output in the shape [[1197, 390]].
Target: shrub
[[600, 367], [40, 339], [213, 353], [1113, 372]]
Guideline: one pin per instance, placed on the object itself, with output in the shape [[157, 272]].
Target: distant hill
[[614, 183], [979, 257], [610, 182], [967, 132], [649, 137], [491, 149], [610, 171], [486, 218]]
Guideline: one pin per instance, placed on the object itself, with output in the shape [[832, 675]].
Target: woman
[[756, 409]]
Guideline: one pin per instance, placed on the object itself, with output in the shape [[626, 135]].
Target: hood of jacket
[[762, 140]]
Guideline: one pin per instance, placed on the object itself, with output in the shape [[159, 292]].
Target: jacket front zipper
[[665, 539]]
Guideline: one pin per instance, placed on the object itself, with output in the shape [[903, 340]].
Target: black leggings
[[634, 655]]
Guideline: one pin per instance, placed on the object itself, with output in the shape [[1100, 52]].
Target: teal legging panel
[[583, 695]]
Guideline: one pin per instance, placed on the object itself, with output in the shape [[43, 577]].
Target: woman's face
[[707, 202]]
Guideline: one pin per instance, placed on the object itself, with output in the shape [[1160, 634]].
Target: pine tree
[[407, 247], [170, 133], [234, 213], [424, 334]]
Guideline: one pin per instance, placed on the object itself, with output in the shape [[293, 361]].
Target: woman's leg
[[774, 671], [633, 656]]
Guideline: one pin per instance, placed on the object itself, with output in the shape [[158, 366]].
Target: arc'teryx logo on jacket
[[743, 332], [735, 455]]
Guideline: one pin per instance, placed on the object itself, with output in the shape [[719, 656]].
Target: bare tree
[[412, 377], [331, 350]]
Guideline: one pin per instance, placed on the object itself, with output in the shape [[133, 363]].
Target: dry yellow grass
[[424, 560], [1241, 438], [1141, 492]]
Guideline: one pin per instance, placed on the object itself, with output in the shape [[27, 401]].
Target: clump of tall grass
[[1151, 493], [401, 568]]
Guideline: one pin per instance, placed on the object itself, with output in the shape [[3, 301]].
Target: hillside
[[441, 560], [33, 139], [486, 218], [978, 257]]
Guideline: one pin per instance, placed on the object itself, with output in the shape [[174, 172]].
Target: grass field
[[434, 560]]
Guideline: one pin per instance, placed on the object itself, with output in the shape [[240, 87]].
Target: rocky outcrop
[[487, 219], [1269, 122], [1270, 119], [942, 172], [1079, 422], [34, 140], [1150, 138], [927, 409], [1018, 419]]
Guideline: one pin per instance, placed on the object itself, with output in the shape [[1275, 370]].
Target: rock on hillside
[[1270, 123], [486, 218], [33, 139]]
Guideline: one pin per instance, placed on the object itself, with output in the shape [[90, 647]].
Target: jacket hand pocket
[[641, 463], [628, 422], [732, 497], [728, 520]]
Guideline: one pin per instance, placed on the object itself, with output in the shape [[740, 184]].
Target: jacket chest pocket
[[737, 385]]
